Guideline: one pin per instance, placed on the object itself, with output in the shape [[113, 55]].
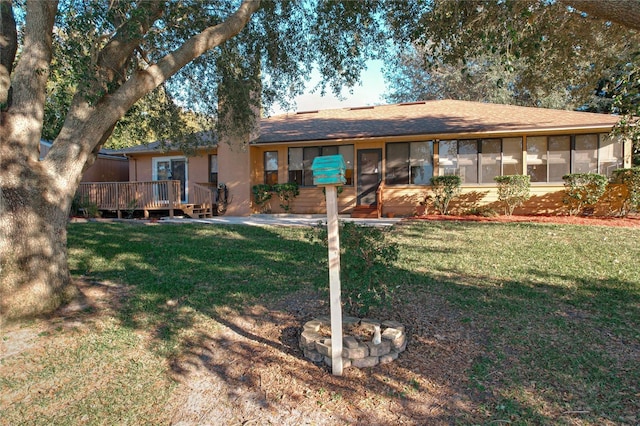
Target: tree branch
[[30, 77], [113, 58], [86, 127], [8, 48], [623, 12]]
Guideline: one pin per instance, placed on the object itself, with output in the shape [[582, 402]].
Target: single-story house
[[394, 150]]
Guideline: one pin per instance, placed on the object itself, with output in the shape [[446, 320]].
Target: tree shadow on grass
[[480, 349]]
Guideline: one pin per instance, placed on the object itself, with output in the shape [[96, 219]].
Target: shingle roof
[[206, 140], [422, 118]]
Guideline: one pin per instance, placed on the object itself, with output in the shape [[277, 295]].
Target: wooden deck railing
[[126, 196], [203, 196]]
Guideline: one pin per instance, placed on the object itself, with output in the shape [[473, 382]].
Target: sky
[[368, 92]]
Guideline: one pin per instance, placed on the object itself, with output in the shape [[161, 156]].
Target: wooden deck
[[147, 196]]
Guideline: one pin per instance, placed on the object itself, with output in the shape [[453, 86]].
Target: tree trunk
[[34, 275]]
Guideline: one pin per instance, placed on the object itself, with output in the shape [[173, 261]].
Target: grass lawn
[[554, 312]]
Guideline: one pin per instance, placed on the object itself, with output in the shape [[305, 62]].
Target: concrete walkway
[[279, 220]]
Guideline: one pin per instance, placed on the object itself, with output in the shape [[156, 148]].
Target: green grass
[[558, 309]]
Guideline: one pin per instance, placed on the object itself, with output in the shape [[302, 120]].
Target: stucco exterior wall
[[107, 170], [234, 170]]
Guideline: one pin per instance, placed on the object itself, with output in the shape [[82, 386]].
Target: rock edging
[[357, 350]]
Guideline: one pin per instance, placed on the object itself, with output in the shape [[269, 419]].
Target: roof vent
[[307, 112], [413, 103], [361, 107]]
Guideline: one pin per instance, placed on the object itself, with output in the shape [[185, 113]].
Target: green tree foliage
[[528, 52]]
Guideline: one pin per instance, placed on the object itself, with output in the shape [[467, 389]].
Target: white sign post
[[329, 171], [334, 280]]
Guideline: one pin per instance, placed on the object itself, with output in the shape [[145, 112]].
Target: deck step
[[365, 212]]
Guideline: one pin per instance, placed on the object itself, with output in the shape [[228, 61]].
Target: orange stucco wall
[[234, 170]]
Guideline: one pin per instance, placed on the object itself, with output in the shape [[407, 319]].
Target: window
[[609, 154], [409, 163], [512, 156], [468, 160], [213, 169], [585, 154], [479, 161], [537, 158], [490, 159], [559, 157], [271, 167], [448, 158], [301, 160]]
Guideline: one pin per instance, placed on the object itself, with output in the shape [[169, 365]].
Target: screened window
[[409, 163], [512, 156], [301, 160], [479, 161], [610, 155], [490, 156], [271, 167], [559, 159], [537, 158], [213, 169], [585, 154], [448, 158], [468, 160]]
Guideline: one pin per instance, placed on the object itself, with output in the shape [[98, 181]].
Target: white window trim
[[154, 171]]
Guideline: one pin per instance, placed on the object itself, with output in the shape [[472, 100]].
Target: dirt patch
[[253, 370]]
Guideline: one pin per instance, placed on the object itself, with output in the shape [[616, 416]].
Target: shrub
[[366, 256], [482, 211], [83, 206], [583, 190], [630, 178], [261, 196], [445, 189], [513, 191], [286, 192]]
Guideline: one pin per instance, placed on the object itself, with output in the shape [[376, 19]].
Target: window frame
[[406, 175], [304, 175], [270, 175]]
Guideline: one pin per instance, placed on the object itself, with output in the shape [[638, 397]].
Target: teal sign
[[328, 170]]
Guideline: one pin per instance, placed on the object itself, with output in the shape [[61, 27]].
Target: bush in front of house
[[582, 191], [261, 196], [445, 189], [366, 256], [286, 193], [513, 191], [630, 178]]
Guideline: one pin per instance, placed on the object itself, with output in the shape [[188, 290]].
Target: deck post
[[118, 200], [170, 195]]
